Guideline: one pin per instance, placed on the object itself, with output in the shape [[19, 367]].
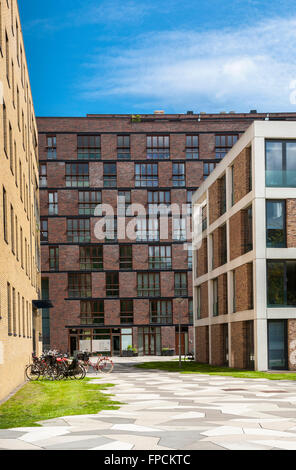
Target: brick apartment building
[[244, 271], [20, 320], [112, 293]]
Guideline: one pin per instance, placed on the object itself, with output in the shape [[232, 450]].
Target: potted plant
[[130, 351]]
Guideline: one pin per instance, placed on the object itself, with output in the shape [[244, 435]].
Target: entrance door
[[277, 345], [149, 341], [183, 340], [73, 344], [115, 345]]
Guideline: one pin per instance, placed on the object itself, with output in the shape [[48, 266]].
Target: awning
[[42, 304]]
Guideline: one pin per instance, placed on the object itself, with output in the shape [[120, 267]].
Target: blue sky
[[135, 56]]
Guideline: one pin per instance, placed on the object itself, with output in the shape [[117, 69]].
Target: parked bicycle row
[[52, 365]]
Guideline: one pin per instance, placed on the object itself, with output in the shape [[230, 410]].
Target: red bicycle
[[103, 364]]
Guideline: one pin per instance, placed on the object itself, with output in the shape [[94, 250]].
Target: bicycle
[[70, 369], [188, 357], [103, 364]]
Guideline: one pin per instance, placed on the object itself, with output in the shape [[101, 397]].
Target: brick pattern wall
[[202, 258], [222, 294], [217, 345], [202, 344], [244, 287], [204, 313], [290, 222], [292, 344], [238, 345], [241, 174]]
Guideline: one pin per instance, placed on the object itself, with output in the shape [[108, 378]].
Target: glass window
[[123, 147], [178, 174], [215, 297], [280, 170], [91, 257], [281, 281], [126, 311], [110, 178], [146, 175], [77, 175], [275, 224], [89, 147], [160, 257], [161, 311], [148, 284], [192, 147], [224, 143], [277, 344], [112, 284], [125, 257], [158, 147]]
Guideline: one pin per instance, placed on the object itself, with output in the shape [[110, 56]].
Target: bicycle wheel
[[106, 365], [78, 373], [32, 372]]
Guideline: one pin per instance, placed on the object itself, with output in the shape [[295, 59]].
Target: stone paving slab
[[173, 411]]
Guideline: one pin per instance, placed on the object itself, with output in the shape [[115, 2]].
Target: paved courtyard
[[167, 411]]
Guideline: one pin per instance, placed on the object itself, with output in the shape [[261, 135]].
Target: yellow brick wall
[[16, 346]]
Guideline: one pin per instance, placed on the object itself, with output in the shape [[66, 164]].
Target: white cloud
[[207, 71]]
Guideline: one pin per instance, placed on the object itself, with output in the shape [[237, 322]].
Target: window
[[124, 201], [78, 230], [146, 175], [79, 285], [161, 311], [12, 234], [77, 175], [10, 147], [7, 58], [126, 311], [22, 247], [224, 143], [180, 284], [91, 257], [43, 175], [16, 238], [276, 224], [189, 256], [190, 310], [158, 198], [158, 147], [9, 308], [147, 229], [222, 195], [88, 201], [178, 174], [233, 292], [160, 257], [148, 284], [198, 303], [189, 195], [232, 186], [123, 147], [5, 143], [91, 312], [208, 168], [44, 230], [179, 228], [280, 163], [111, 229], [204, 218], [4, 212], [51, 147], [125, 257], [248, 229], [52, 202], [223, 244], [281, 281], [192, 147], [215, 297], [89, 147], [112, 284], [53, 258], [277, 344], [110, 179]]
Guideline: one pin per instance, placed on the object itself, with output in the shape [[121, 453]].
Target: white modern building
[[244, 272]]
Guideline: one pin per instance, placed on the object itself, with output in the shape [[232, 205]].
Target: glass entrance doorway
[[149, 341]]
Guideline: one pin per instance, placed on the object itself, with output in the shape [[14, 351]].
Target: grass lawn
[[197, 368], [37, 401]]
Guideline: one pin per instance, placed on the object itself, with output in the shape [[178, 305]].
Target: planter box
[[169, 352], [128, 353]]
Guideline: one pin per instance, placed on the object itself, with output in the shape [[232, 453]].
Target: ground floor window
[[277, 345]]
